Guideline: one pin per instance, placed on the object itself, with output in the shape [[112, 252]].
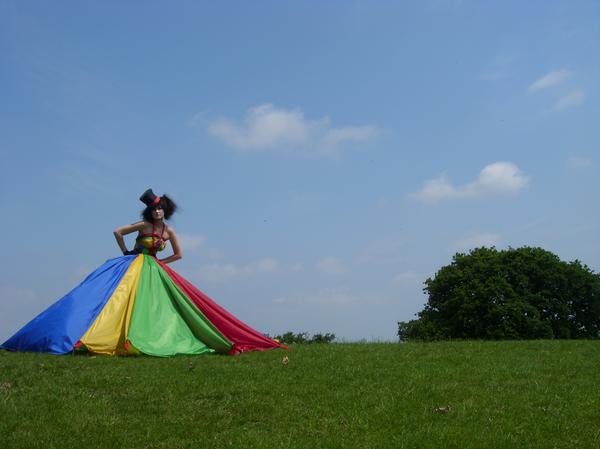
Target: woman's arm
[[177, 254], [124, 230]]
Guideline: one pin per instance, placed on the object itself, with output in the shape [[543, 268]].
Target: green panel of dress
[[164, 321]]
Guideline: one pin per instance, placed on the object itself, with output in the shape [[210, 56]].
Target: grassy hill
[[535, 394]]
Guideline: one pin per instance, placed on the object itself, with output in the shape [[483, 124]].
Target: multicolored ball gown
[[136, 304]]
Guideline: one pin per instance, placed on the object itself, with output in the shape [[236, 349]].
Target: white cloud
[[553, 78], [266, 127], [218, 272], [189, 242], [579, 163], [499, 177], [331, 265], [494, 179], [436, 189], [477, 240], [572, 99]]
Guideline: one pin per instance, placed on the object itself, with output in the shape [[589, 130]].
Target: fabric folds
[[243, 337], [136, 304], [58, 328]]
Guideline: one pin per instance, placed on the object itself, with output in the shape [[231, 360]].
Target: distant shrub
[[301, 338], [322, 338]]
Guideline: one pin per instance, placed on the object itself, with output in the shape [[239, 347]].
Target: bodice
[[151, 243]]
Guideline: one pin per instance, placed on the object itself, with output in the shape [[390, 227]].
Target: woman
[[149, 238], [136, 304]]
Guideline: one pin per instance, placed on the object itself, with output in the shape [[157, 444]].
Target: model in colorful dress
[[136, 304]]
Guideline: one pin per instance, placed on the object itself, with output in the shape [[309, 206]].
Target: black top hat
[[149, 198]]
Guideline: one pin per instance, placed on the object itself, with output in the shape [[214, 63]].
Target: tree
[[521, 293], [304, 338]]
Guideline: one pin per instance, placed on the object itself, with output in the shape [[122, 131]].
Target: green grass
[[537, 394]]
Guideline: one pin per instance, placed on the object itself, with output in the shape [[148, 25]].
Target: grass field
[[536, 394]]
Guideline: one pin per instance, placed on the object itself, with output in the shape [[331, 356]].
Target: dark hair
[[167, 204]]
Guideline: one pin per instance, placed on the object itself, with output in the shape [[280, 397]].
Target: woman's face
[[158, 213]]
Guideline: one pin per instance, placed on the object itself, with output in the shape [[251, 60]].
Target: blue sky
[[328, 157]]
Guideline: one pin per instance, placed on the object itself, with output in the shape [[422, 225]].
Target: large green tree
[[518, 293]]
